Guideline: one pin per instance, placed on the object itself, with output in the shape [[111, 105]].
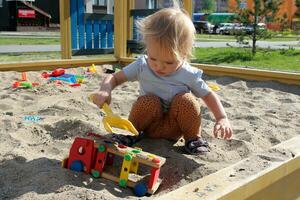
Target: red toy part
[[110, 158], [153, 178], [100, 159], [75, 84], [54, 73], [16, 84], [82, 150], [57, 72], [45, 75], [35, 84], [24, 77]]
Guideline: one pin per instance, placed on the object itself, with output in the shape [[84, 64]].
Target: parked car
[[224, 28], [260, 26], [203, 26]]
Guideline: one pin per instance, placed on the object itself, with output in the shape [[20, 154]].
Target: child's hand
[[101, 97], [223, 129]]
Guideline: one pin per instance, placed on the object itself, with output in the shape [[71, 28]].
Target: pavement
[[53, 48], [28, 48], [47, 34]]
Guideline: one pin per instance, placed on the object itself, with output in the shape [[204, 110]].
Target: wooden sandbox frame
[[278, 181]]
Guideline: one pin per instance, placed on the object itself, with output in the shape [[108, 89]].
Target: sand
[[262, 114]]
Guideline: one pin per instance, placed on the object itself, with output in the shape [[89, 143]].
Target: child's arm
[[108, 84], [222, 125]]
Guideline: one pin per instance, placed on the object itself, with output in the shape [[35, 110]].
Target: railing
[[90, 33], [134, 45]]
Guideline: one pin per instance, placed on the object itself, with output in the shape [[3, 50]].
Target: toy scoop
[[113, 120]]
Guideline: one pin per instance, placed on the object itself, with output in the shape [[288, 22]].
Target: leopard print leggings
[[182, 119]]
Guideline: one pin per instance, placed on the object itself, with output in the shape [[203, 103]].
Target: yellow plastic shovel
[[113, 120]]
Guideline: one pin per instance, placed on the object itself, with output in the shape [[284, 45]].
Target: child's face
[[161, 63]]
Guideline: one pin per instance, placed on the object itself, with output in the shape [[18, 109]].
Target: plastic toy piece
[[113, 120], [92, 69], [110, 159], [125, 170], [33, 118], [54, 73], [214, 87], [24, 77], [77, 165], [100, 160], [135, 164], [74, 78], [82, 150], [75, 85], [154, 177], [134, 167], [69, 79], [24, 84], [140, 189]]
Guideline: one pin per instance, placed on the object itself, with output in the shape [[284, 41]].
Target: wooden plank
[[221, 185], [103, 34], [142, 158], [88, 34], [243, 73], [120, 28], [53, 64], [286, 188], [130, 183], [65, 32], [96, 33], [188, 6], [110, 33]]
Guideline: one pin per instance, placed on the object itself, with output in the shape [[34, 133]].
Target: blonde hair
[[172, 28]]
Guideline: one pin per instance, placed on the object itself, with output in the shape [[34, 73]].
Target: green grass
[[287, 60], [15, 57], [284, 60], [28, 41], [222, 38]]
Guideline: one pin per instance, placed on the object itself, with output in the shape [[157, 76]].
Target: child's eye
[[169, 63], [153, 59]]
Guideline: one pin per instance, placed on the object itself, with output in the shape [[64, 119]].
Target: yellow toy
[[92, 69], [213, 86], [113, 120]]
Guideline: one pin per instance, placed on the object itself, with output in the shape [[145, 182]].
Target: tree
[[208, 6], [298, 8], [262, 10], [297, 14]]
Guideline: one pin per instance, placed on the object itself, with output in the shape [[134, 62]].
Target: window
[[1, 3], [150, 4], [100, 2]]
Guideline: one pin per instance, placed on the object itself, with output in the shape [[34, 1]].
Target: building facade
[[28, 14]]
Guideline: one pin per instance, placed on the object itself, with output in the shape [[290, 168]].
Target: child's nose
[[159, 65]]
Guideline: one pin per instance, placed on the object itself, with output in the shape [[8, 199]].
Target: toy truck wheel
[[77, 165], [140, 189]]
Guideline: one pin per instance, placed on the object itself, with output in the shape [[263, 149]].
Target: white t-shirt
[[185, 79]]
